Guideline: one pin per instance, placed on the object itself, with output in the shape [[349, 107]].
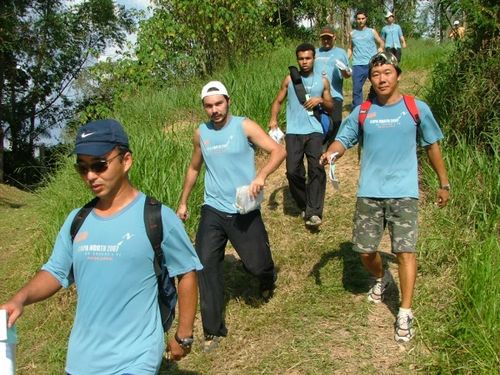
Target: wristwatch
[[185, 343], [445, 187]]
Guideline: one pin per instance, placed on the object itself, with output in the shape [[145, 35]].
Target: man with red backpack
[[390, 127]]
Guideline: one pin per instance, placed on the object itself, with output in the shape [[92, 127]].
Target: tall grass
[[465, 240]]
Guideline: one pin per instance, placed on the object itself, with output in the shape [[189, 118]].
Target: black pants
[[396, 52], [309, 196], [249, 238]]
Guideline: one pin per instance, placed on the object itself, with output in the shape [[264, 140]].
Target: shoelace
[[331, 173]]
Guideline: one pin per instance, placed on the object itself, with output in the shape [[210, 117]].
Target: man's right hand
[[324, 159], [273, 124], [14, 311], [182, 212]]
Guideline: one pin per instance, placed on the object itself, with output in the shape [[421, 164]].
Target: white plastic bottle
[[8, 341]]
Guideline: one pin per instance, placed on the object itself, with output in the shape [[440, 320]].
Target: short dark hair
[[305, 47], [361, 11]]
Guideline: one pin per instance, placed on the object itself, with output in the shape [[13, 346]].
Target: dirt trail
[[374, 332]]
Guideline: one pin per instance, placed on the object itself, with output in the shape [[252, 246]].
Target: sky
[[111, 51]]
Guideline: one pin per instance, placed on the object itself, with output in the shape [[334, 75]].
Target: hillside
[[318, 322]]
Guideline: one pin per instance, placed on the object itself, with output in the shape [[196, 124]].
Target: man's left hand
[[442, 198], [256, 187], [175, 352]]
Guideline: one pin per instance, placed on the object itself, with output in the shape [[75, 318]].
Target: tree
[[43, 47], [191, 37]]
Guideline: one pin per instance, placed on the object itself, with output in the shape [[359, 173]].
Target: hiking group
[[124, 249]]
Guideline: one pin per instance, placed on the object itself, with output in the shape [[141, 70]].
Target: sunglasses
[[98, 166]]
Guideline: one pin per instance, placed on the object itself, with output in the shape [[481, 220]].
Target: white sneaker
[[314, 221], [403, 328], [376, 293]]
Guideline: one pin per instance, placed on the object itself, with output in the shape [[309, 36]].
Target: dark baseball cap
[[327, 30], [99, 137]]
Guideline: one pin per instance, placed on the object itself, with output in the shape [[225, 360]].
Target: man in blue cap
[[117, 328]]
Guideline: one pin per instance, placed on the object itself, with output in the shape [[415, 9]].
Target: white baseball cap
[[213, 88], [456, 22], [389, 14]]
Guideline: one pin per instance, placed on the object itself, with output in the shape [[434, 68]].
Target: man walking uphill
[[362, 47], [225, 143], [118, 328], [304, 135], [388, 182], [392, 35], [332, 62]]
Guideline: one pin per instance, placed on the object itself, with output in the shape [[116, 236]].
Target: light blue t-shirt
[[230, 162], [364, 46], [389, 156], [117, 327], [324, 63], [391, 35], [298, 120]]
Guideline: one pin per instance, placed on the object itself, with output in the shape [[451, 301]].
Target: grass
[[465, 242], [318, 322]]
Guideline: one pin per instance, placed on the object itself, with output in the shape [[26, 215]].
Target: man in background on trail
[[392, 35], [457, 32], [226, 143], [388, 181], [362, 46], [117, 328], [304, 135], [332, 62]]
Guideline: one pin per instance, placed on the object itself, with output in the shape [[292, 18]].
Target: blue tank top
[[391, 35], [298, 120], [230, 162], [364, 47]]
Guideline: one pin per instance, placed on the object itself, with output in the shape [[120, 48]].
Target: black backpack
[[167, 292], [319, 112]]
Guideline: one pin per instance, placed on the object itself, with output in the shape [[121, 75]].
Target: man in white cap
[[457, 32], [225, 143], [392, 35]]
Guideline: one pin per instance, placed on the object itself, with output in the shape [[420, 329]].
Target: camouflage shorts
[[371, 217]]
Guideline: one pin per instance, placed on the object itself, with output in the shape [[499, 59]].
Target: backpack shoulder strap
[[298, 86], [154, 230], [411, 105], [363, 112], [81, 216]]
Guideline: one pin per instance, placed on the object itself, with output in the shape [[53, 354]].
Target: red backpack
[[411, 105]]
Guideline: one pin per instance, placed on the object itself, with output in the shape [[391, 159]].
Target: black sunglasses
[[97, 166]]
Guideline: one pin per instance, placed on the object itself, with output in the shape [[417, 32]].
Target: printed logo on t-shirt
[[220, 148], [103, 252], [386, 122]]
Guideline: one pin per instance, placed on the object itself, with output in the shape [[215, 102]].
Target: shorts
[[373, 214]]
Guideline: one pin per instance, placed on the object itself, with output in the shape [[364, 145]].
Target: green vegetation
[[465, 98], [318, 322]]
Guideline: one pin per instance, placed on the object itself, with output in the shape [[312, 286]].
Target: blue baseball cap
[[99, 137]]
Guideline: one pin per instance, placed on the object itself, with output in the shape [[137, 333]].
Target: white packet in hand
[[331, 173], [244, 202], [339, 64], [276, 134]]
